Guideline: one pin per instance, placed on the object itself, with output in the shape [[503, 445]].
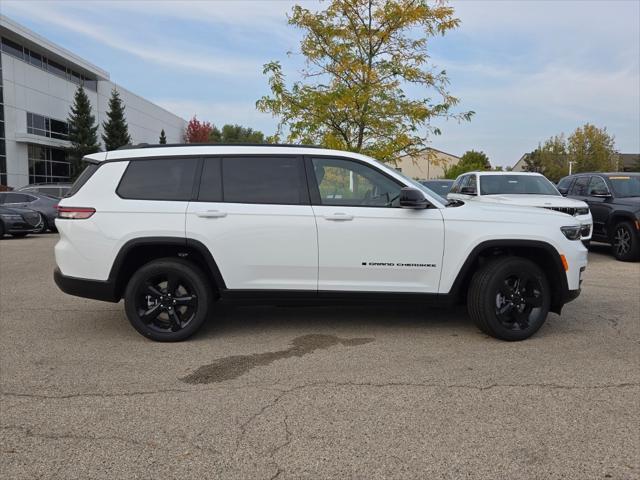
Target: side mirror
[[412, 198], [563, 191], [599, 193], [468, 191]]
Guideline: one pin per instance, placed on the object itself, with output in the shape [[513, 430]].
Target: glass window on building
[[12, 48], [47, 127], [48, 165]]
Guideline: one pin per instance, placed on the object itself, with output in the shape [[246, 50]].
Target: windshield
[[626, 185], [516, 185]]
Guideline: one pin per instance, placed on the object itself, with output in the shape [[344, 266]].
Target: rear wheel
[[625, 242], [509, 298], [168, 299]]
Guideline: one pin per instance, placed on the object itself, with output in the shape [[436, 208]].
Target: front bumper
[[82, 287], [18, 226]]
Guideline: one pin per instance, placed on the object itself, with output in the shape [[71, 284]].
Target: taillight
[[75, 213]]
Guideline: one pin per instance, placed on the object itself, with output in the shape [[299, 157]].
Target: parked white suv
[[173, 229], [523, 189]]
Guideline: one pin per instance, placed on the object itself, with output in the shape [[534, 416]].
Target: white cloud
[[219, 64]]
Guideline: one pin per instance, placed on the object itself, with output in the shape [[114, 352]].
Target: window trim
[[314, 189]]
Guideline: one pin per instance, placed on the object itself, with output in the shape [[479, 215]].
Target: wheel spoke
[[152, 290], [533, 300], [187, 300], [522, 318], [175, 320], [172, 284], [151, 314]]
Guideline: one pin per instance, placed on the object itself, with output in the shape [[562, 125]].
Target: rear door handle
[[212, 214], [339, 217]]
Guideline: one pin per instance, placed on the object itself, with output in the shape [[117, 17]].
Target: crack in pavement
[[320, 384]]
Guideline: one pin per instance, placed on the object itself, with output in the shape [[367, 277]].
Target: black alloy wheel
[[41, 227], [168, 299], [509, 298], [625, 242], [518, 300]]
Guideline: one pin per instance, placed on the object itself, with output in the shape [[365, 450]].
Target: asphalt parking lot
[[277, 392]]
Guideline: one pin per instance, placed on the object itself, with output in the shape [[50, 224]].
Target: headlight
[[582, 211], [572, 233], [10, 216]]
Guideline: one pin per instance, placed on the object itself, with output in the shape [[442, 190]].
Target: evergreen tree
[[163, 138], [83, 131], [116, 132]]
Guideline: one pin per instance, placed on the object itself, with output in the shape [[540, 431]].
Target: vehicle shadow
[[233, 319]]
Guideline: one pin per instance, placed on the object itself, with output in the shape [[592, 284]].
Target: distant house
[[624, 162], [428, 165], [520, 165], [628, 162]]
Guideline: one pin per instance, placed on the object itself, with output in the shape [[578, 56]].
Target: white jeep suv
[[523, 189], [172, 229]]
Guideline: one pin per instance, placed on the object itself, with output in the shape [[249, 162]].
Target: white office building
[[38, 80]]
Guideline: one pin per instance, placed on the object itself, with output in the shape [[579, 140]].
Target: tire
[[1, 230], [174, 312], [19, 235], [499, 303], [625, 242]]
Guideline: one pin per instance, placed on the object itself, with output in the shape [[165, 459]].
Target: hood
[[509, 213], [534, 200]]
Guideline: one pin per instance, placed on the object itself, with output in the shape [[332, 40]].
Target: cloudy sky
[[530, 69]]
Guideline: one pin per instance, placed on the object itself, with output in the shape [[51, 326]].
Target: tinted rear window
[[82, 179], [158, 179], [274, 180]]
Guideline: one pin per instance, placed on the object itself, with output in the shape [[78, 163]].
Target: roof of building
[[15, 31]]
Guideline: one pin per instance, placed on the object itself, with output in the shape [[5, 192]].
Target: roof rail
[[162, 145]]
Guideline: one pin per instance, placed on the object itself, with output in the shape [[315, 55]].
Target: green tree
[[469, 162], [549, 159], [360, 56], [116, 131], [83, 131], [592, 149], [163, 138], [236, 134]]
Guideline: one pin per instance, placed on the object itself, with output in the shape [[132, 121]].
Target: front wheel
[[509, 298], [168, 299], [41, 227], [625, 242]]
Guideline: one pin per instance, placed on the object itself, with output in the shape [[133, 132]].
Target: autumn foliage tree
[[361, 57], [197, 131]]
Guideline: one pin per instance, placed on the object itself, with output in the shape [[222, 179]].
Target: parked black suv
[[614, 200]]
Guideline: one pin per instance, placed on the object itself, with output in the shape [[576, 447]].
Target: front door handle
[[339, 217], [212, 214]]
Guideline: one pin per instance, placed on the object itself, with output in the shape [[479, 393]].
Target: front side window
[[516, 185], [580, 187], [263, 179], [17, 198], [159, 179], [565, 183], [597, 186], [354, 184]]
